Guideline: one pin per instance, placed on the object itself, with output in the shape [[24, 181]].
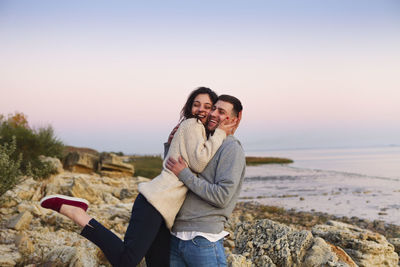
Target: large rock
[[81, 162], [366, 248], [266, 241], [234, 260], [70, 256], [83, 189], [108, 164], [26, 189], [324, 254], [55, 162], [60, 184], [113, 166]]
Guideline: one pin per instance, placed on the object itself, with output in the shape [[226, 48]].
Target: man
[[197, 234]]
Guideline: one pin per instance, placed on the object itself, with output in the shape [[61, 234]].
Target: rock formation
[[31, 235], [113, 166], [107, 164], [366, 248], [81, 162], [267, 243]]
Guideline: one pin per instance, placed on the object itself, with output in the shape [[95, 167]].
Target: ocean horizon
[[380, 161]]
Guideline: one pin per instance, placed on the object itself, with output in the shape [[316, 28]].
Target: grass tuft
[[266, 160], [147, 166]]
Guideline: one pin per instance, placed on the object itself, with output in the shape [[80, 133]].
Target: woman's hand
[[229, 125], [171, 135]]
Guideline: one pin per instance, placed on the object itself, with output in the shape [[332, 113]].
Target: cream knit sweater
[[165, 192]]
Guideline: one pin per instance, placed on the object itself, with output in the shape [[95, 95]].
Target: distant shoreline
[[254, 161]]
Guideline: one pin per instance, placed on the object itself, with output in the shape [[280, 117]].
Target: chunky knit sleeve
[[198, 150]]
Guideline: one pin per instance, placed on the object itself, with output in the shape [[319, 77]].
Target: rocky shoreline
[[255, 215], [259, 235], [306, 220]]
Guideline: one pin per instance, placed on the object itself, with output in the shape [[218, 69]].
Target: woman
[[159, 200]]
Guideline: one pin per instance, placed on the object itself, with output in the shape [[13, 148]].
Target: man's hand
[[175, 166]]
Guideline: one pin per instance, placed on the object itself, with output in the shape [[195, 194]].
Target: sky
[[114, 75]]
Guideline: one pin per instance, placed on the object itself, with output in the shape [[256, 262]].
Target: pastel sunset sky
[[114, 75]]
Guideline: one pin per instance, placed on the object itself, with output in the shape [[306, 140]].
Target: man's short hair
[[237, 105]]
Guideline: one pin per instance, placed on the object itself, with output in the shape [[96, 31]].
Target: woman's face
[[201, 106]]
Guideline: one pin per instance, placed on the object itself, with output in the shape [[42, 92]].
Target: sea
[[362, 182]]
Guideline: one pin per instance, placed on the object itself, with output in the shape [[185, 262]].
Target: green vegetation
[[30, 143], [9, 167], [151, 166], [251, 161], [272, 209], [147, 166]]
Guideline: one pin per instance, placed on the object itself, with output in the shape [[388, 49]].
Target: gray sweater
[[213, 195]]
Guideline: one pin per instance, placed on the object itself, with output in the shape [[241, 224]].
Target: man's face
[[220, 111]]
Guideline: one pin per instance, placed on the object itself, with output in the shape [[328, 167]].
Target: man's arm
[[227, 178]]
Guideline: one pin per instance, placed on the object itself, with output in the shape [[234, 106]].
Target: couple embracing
[[178, 217]]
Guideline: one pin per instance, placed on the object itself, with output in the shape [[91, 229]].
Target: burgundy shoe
[[54, 202]]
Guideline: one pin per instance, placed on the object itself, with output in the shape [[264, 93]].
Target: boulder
[[71, 256], [324, 254], [366, 248], [55, 162], [26, 189], [266, 241], [113, 166], [82, 188], [81, 162], [234, 260]]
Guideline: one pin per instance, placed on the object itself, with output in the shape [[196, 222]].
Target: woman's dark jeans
[[146, 236]]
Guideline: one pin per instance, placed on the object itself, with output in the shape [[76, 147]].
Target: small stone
[[396, 243], [230, 243], [6, 211], [23, 207], [24, 244], [9, 203], [125, 193], [20, 221]]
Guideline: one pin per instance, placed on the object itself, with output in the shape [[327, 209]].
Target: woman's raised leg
[[146, 232]]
